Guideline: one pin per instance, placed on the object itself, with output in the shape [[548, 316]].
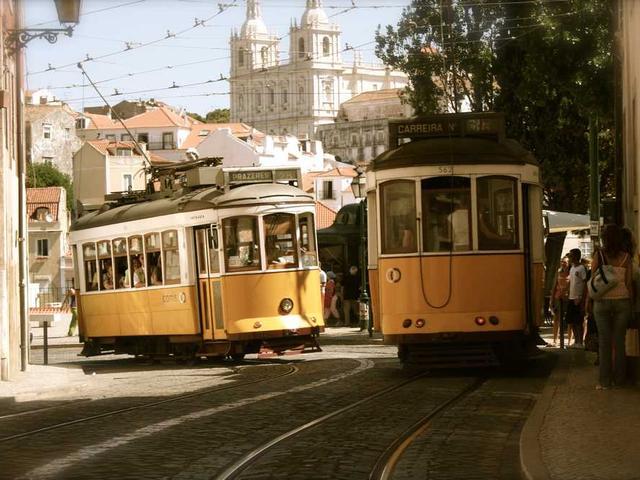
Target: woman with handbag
[[560, 298], [611, 304]]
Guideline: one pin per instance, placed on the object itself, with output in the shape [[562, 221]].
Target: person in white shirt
[[577, 283]]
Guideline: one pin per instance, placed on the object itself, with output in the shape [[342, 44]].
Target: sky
[[106, 27]]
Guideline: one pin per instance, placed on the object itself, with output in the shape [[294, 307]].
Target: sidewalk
[[577, 432]]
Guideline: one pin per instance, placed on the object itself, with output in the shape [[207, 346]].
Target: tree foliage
[[219, 115], [47, 175], [547, 65]]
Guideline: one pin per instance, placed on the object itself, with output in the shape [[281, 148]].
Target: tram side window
[[154, 259], [105, 265], [307, 240], [446, 212], [171, 257], [280, 240], [241, 245], [398, 212], [136, 262], [90, 267], [497, 213], [120, 263]]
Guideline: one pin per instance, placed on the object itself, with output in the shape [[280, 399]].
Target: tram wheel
[[236, 357]]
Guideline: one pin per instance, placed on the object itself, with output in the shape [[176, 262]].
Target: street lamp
[[358, 187], [68, 15]]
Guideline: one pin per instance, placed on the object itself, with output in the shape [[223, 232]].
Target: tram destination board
[[489, 125], [263, 176]]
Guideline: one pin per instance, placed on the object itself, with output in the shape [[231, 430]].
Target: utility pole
[[594, 182]]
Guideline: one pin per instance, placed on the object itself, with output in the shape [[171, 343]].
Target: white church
[[295, 95]]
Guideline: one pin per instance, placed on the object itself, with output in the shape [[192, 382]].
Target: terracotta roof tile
[[155, 117], [109, 147], [48, 197], [325, 216]]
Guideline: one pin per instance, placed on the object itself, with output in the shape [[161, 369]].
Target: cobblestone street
[[178, 421]]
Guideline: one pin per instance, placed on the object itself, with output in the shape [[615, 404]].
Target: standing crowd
[[595, 302], [340, 295]]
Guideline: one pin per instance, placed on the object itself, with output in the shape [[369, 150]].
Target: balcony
[[162, 146]]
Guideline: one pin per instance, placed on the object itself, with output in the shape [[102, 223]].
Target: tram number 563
[[445, 169]]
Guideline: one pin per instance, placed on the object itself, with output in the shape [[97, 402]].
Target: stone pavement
[[577, 432]]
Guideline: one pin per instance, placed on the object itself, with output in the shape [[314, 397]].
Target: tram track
[[292, 369], [385, 466], [386, 462]]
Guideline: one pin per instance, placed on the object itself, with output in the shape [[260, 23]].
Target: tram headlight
[[406, 323], [493, 320], [420, 322], [286, 305], [481, 321]]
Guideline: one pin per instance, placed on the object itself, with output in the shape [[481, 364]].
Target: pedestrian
[[71, 301], [350, 294], [329, 293], [577, 289], [612, 311], [560, 299]]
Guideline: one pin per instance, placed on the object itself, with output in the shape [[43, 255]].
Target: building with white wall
[[297, 95]]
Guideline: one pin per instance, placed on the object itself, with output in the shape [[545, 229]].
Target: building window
[[125, 137], [264, 56], [285, 96], [241, 101], [271, 95], [301, 47], [143, 138], [241, 57], [46, 131], [47, 160], [127, 182], [41, 214], [327, 190], [326, 46], [167, 141], [81, 123], [42, 246], [258, 98], [300, 95], [123, 152], [110, 137]]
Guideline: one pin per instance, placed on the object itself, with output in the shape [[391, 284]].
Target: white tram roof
[[201, 199], [454, 151]]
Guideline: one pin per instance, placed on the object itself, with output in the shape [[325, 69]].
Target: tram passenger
[[138, 274], [350, 295], [107, 277], [488, 235], [459, 224]]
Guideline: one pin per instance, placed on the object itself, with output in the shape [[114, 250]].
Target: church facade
[[296, 94]]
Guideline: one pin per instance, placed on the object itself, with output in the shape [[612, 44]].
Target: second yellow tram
[[455, 241]]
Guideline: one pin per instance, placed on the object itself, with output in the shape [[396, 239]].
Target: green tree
[[47, 175], [547, 65], [219, 115], [197, 116]]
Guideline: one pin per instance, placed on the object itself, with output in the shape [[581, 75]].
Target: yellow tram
[[455, 241], [224, 267]]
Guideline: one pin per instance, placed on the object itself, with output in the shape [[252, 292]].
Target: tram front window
[[241, 246], [90, 268], [398, 205], [497, 213], [446, 211], [280, 240], [307, 240]]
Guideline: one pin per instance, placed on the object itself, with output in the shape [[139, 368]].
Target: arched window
[[258, 98], [241, 57], [326, 46], [264, 56], [300, 95], [241, 101], [285, 96], [271, 94], [301, 47]]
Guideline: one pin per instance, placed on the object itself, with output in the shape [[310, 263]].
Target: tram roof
[[454, 151], [201, 199]]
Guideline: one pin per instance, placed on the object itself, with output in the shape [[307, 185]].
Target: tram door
[[209, 285]]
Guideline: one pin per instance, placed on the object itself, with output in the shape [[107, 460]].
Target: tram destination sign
[[263, 176], [456, 125]]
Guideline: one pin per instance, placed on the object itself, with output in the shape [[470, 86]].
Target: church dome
[[314, 16], [253, 26]]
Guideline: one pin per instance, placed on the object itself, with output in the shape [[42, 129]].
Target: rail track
[[292, 369], [386, 462]]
